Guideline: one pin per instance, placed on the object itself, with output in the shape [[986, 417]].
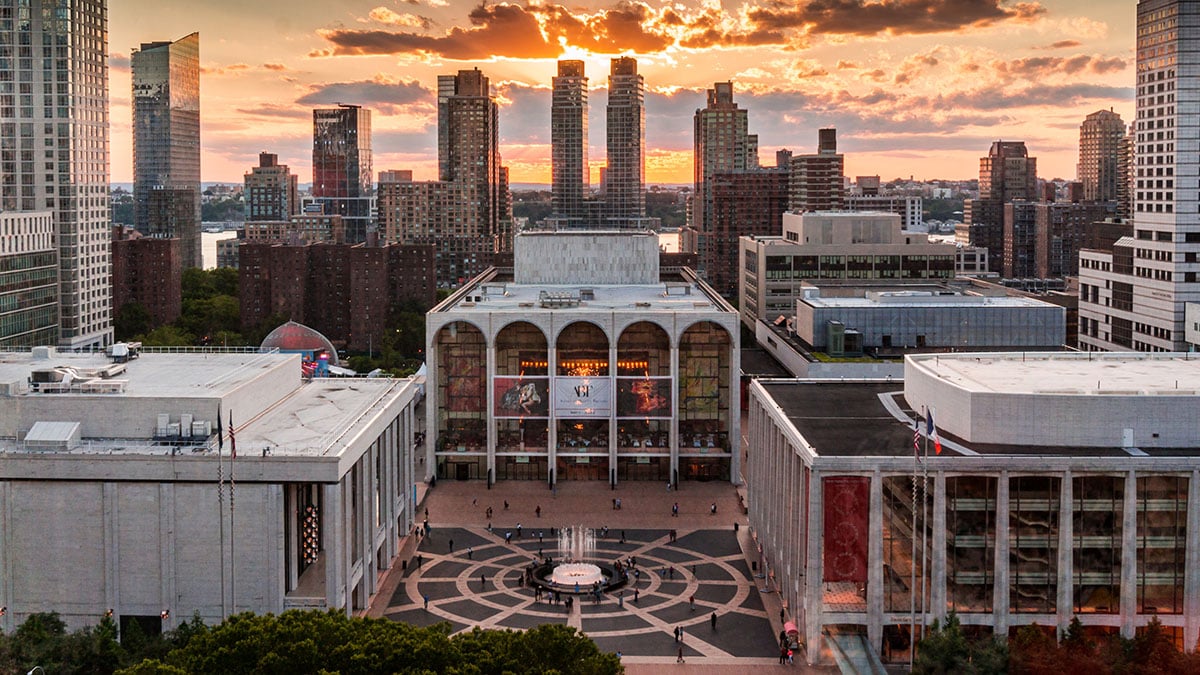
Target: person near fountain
[[713, 620]]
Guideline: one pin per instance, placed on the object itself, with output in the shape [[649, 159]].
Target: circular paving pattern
[[471, 578]]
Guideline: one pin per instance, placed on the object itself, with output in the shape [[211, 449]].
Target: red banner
[[847, 517]]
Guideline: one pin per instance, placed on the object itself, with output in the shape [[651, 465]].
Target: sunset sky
[[915, 87]]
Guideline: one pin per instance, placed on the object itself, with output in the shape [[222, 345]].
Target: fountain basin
[[569, 574]]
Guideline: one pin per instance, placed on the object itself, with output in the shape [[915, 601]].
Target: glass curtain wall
[[462, 418], [970, 543], [1096, 546], [704, 403], [1033, 543], [582, 352], [1161, 543], [644, 403]]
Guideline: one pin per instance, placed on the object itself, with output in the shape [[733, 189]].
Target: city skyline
[[915, 88]]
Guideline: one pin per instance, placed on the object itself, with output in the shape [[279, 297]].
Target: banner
[[521, 396], [644, 397], [847, 502], [582, 396]]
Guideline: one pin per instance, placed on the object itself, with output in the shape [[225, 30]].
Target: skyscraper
[[1133, 297], [569, 142], [1100, 138], [817, 180], [469, 152], [625, 184], [1007, 173], [166, 142], [342, 173], [270, 190], [60, 106], [722, 144]]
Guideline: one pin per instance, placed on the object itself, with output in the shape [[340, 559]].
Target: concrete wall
[[585, 258]]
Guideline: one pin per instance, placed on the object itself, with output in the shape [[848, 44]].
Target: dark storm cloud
[[379, 94], [894, 17]]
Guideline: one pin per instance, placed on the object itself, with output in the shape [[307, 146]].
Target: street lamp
[[35, 669]]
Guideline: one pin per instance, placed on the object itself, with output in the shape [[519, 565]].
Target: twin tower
[[622, 203]]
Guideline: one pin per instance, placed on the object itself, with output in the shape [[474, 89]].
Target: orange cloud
[[502, 30]]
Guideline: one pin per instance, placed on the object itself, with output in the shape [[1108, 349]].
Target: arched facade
[[583, 396]]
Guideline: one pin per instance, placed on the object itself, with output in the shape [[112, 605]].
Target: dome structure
[[298, 338]]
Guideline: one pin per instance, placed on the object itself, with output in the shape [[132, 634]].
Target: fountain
[[574, 573]]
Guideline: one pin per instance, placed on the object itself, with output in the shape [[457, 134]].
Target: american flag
[[232, 441], [916, 439]]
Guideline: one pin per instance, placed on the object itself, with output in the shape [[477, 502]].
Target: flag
[[929, 428], [220, 432], [916, 439], [233, 442]]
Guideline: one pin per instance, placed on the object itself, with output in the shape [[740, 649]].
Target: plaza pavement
[[709, 560]]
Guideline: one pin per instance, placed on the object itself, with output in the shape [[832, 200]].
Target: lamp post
[[35, 669]]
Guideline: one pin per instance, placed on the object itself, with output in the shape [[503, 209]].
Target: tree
[[946, 650], [167, 336], [132, 319]]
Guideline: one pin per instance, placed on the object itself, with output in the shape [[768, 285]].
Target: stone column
[[1129, 557], [7, 583], [937, 591], [1000, 603], [334, 535], [489, 391], [735, 408], [675, 411], [112, 551], [813, 589], [552, 423], [1191, 581], [166, 553], [432, 433], [1066, 542], [612, 415], [875, 565], [291, 513]]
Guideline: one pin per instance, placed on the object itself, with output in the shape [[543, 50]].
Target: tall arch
[[644, 403], [583, 402], [521, 402], [461, 450], [705, 402]]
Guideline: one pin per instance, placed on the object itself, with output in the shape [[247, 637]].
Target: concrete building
[[270, 190], [1136, 294], [166, 142], [300, 228], [147, 271], [831, 245], [570, 171], [342, 173], [112, 502], [625, 178], [71, 121], [884, 319], [722, 144], [1007, 174], [586, 361], [28, 279], [909, 208], [742, 204], [227, 252], [1061, 229], [1100, 138], [345, 291], [1067, 486], [818, 180], [971, 261]]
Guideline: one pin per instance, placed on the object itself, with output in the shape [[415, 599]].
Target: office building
[[345, 291], [1007, 174], [469, 146], [166, 142], [818, 181], [722, 145], [342, 173], [116, 506], [147, 271], [1061, 230], [1134, 297], [28, 279], [831, 245], [740, 205], [625, 178], [1087, 509], [586, 361], [570, 172], [270, 190], [1126, 175], [1100, 138], [909, 208], [69, 119]]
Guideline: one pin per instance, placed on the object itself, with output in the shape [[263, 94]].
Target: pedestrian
[[622, 536], [419, 560], [538, 511], [614, 503], [489, 513], [671, 572], [781, 615], [426, 596], [505, 504], [668, 486], [679, 659], [712, 510], [692, 602], [783, 654], [675, 633], [791, 656], [474, 501], [636, 592], [713, 620], [675, 510], [452, 546], [483, 583], [508, 537], [539, 536], [470, 553], [618, 654], [427, 513], [518, 530], [621, 600]]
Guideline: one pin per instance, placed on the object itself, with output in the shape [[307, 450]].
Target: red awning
[[789, 627]]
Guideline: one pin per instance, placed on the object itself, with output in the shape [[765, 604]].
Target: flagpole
[[221, 508], [924, 535], [232, 535], [912, 565]]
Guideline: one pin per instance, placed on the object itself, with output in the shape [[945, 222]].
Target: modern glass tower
[[54, 147], [342, 174], [569, 142], [625, 181], [166, 142], [1100, 138]]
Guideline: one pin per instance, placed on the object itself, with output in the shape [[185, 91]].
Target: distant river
[[208, 246]]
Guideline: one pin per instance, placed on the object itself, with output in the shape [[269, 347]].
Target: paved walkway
[[477, 583]]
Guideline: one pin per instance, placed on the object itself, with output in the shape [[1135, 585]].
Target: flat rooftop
[[1112, 373], [873, 419], [673, 296], [156, 375], [921, 300]]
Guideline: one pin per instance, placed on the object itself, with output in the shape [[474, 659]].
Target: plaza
[[709, 560]]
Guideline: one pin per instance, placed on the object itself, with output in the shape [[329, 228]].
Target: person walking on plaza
[[470, 553], [426, 596], [675, 510], [712, 510], [692, 602], [505, 504], [713, 620], [452, 546], [538, 511], [679, 659]]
